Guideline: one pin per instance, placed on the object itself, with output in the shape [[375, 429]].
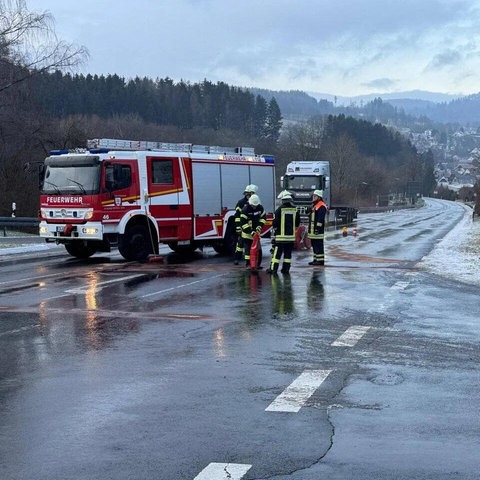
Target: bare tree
[[302, 141], [345, 164], [29, 45], [476, 207]]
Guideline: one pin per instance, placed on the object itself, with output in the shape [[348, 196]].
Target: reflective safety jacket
[[238, 211], [316, 222], [252, 220], [285, 222]]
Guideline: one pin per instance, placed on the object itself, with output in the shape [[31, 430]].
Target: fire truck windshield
[[305, 182], [66, 179]]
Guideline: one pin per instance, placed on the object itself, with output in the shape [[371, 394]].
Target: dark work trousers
[[285, 249], [239, 248], [318, 250]]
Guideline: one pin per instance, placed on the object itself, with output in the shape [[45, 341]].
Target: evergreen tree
[[274, 121], [429, 182], [206, 105], [260, 117]]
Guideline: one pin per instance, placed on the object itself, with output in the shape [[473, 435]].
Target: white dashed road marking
[[389, 298], [18, 330], [400, 286], [178, 287], [223, 471], [298, 392], [351, 336]]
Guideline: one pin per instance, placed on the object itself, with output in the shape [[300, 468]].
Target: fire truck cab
[[137, 194]]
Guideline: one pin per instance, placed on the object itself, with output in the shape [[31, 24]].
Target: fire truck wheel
[[135, 244], [80, 250], [228, 244]]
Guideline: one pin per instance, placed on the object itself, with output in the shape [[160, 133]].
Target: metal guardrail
[[19, 221], [13, 223]]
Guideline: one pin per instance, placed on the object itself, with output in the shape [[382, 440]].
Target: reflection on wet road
[[200, 369]]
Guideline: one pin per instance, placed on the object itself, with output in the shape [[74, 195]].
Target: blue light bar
[[58, 152], [269, 158], [99, 150]]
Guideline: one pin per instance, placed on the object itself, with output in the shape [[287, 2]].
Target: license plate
[[60, 228]]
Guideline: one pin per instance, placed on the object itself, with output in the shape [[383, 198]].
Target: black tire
[[220, 248], [228, 244], [135, 244], [80, 249]]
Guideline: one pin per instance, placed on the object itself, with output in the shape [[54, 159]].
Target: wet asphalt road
[[115, 370]]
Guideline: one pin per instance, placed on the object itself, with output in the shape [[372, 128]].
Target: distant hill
[[421, 95], [465, 110], [295, 103], [460, 110], [438, 107]]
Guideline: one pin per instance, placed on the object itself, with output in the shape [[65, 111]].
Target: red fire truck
[[135, 195]]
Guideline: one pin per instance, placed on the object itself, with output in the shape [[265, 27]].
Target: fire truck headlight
[[43, 230], [88, 215], [90, 231]]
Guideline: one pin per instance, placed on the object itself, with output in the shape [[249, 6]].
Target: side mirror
[[41, 175]]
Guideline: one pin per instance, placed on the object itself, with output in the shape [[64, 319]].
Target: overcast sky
[[340, 47]]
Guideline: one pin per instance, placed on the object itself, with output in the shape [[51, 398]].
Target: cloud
[[445, 59], [343, 46], [381, 83]]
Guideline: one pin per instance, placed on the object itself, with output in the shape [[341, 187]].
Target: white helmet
[[248, 189], [254, 200], [283, 194], [318, 193], [253, 188]]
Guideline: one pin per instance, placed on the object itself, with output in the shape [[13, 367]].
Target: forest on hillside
[[415, 114], [208, 105], [44, 107]]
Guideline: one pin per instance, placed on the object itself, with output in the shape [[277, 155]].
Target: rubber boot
[[286, 269], [237, 257], [273, 269]]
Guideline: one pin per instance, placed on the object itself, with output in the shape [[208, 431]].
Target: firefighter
[[252, 220], [285, 222], [316, 227], [249, 190]]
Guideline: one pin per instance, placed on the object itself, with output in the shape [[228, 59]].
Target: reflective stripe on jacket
[[252, 220], [285, 222], [238, 211], [316, 224]]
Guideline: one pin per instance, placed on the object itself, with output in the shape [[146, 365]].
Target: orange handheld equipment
[[255, 252]]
